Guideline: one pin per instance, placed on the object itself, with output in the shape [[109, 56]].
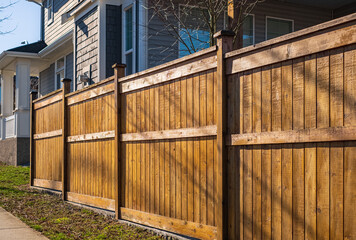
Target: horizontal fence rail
[[253, 143]]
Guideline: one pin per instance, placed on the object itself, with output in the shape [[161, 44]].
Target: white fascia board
[[7, 57]]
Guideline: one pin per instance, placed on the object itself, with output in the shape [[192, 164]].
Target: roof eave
[[39, 2]]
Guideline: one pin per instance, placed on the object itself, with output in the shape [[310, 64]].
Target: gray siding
[[55, 29], [162, 47], [113, 37], [302, 16], [47, 76], [87, 45], [47, 80], [342, 11], [69, 69]]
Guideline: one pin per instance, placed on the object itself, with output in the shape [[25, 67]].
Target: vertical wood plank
[[298, 150], [350, 147], [256, 169], [203, 150], [323, 116], [266, 177], [310, 148], [247, 161], [196, 168], [336, 149], [287, 172]]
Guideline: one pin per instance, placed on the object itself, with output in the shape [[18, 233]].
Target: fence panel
[[291, 166], [47, 145], [278, 163], [168, 151], [90, 151]]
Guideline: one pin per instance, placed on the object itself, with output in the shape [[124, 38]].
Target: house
[[82, 39]]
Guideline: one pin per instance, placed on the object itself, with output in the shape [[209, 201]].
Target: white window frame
[[56, 71], [278, 18], [50, 11], [126, 7]]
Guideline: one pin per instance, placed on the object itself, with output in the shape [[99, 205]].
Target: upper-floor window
[[50, 12], [248, 31], [276, 27], [129, 40], [193, 31], [60, 72]]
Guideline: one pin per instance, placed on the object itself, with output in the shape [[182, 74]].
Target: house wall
[[46, 81], [342, 11], [15, 151], [69, 69], [54, 30], [113, 37], [47, 76], [86, 40], [162, 47], [302, 16]]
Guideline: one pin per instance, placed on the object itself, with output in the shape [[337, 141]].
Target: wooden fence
[[219, 144]]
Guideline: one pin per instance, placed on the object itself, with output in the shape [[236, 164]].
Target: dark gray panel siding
[[87, 34], [162, 47], [302, 16], [342, 11], [113, 37], [47, 80], [69, 68]]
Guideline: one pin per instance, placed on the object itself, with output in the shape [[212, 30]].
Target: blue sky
[[25, 19]]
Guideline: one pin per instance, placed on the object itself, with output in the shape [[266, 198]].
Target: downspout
[[42, 24]]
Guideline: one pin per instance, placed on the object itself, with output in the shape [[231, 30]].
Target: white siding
[[54, 30]]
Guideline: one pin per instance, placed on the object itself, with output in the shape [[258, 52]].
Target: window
[[194, 34], [60, 73], [276, 27], [50, 13], [129, 40], [248, 35]]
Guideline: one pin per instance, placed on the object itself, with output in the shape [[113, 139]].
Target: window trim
[[278, 18], [133, 49], [253, 29], [50, 21], [57, 71]]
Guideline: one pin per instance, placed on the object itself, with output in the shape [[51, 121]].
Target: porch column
[[22, 114], [7, 97]]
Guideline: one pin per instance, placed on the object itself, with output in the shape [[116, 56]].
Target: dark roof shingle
[[30, 48]]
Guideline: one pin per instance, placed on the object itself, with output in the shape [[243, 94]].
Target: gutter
[[18, 54]]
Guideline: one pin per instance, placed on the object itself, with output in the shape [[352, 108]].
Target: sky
[[24, 19]]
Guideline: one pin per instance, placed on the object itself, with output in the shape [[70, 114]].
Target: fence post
[[224, 42], [65, 90], [33, 94], [119, 71]]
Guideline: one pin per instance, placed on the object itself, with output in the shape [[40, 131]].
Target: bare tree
[[5, 18], [193, 23]]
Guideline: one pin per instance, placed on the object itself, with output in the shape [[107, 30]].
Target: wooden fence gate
[[254, 143]]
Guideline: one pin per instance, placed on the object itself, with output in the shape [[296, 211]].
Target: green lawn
[[55, 218]]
